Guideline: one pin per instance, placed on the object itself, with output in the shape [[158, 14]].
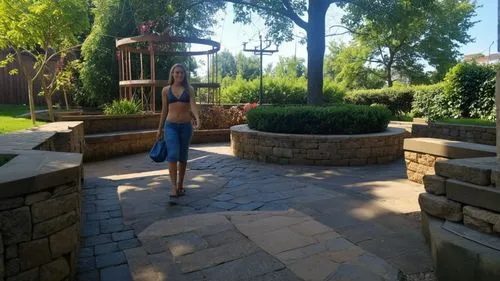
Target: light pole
[[262, 51]]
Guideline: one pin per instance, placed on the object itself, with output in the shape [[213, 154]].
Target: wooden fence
[[14, 88]]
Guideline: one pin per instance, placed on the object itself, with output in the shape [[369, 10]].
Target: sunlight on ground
[[136, 175]]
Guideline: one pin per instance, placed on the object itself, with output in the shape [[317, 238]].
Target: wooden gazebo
[[132, 52]]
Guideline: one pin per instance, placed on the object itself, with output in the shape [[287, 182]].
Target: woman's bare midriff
[[179, 112]]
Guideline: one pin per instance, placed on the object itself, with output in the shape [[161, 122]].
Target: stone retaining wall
[[105, 146], [421, 154], [467, 133], [461, 218], [40, 203], [466, 191], [336, 150]]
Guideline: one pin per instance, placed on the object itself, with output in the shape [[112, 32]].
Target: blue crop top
[[171, 98]]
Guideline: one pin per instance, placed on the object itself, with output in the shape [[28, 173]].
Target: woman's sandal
[[181, 191]]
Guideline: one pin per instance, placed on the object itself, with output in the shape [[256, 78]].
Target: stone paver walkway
[[246, 220]]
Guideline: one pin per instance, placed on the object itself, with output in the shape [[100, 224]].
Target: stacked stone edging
[[421, 154], [467, 133], [461, 218], [464, 191], [105, 146], [40, 203], [335, 150]]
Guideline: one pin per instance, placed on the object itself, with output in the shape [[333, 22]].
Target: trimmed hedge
[[430, 101], [328, 120], [397, 99], [277, 90], [470, 89]]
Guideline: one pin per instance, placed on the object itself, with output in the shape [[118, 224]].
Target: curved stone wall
[[334, 150], [40, 202]]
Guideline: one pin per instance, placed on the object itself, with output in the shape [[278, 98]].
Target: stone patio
[[246, 220]]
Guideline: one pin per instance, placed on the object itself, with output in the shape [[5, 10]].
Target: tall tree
[[290, 67], [247, 67], [346, 64], [40, 30], [227, 64], [404, 34], [280, 16]]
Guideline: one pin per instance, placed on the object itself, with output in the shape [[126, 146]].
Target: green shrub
[[277, 90], [122, 107], [338, 119], [469, 88], [397, 99], [430, 101]]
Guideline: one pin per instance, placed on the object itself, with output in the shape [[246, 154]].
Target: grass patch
[[468, 121], [4, 158], [9, 122]]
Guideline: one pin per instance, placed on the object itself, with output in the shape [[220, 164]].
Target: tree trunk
[[48, 99], [31, 100], [66, 99], [315, 51], [389, 77], [389, 69]]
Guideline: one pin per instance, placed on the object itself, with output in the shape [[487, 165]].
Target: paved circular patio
[[247, 220]]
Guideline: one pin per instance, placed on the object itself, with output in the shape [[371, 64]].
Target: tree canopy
[[41, 30], [280, 17], [405, 34]]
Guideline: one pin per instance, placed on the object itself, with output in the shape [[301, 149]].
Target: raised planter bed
[[334, 150]]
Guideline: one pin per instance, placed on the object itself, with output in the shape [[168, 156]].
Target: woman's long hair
[[185, 82]]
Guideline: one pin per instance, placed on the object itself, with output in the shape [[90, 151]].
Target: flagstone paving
[[247, 220]]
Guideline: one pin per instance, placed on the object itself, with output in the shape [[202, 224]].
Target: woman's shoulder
[[165, 89]]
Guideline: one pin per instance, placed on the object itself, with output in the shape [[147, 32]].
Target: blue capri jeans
[[178, 137]]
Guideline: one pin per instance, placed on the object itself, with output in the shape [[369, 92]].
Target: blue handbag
[[158, 152]]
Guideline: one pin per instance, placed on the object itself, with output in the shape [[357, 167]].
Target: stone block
[[11, 251], [110, 259], [477, 224], [185, 243], [412, 156], [55, 270], [11, 203], [313, 268], [434, 184], [213, 256], [466, 170], [477, 214], [54, 207], [63, 190], [30, 275], [247, 268], [15, 225], [34, 253], [440, 206], [426, 159], [412, 166], [12, 267], [470, 194], [37, 197], [54, 225], [64, 241]]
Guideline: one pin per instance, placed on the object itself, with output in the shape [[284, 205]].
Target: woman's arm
[[164, 112], [194, 107]]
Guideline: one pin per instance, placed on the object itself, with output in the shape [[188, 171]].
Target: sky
[[231, 35]]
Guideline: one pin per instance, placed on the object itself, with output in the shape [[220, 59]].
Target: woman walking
[[177, 108]]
